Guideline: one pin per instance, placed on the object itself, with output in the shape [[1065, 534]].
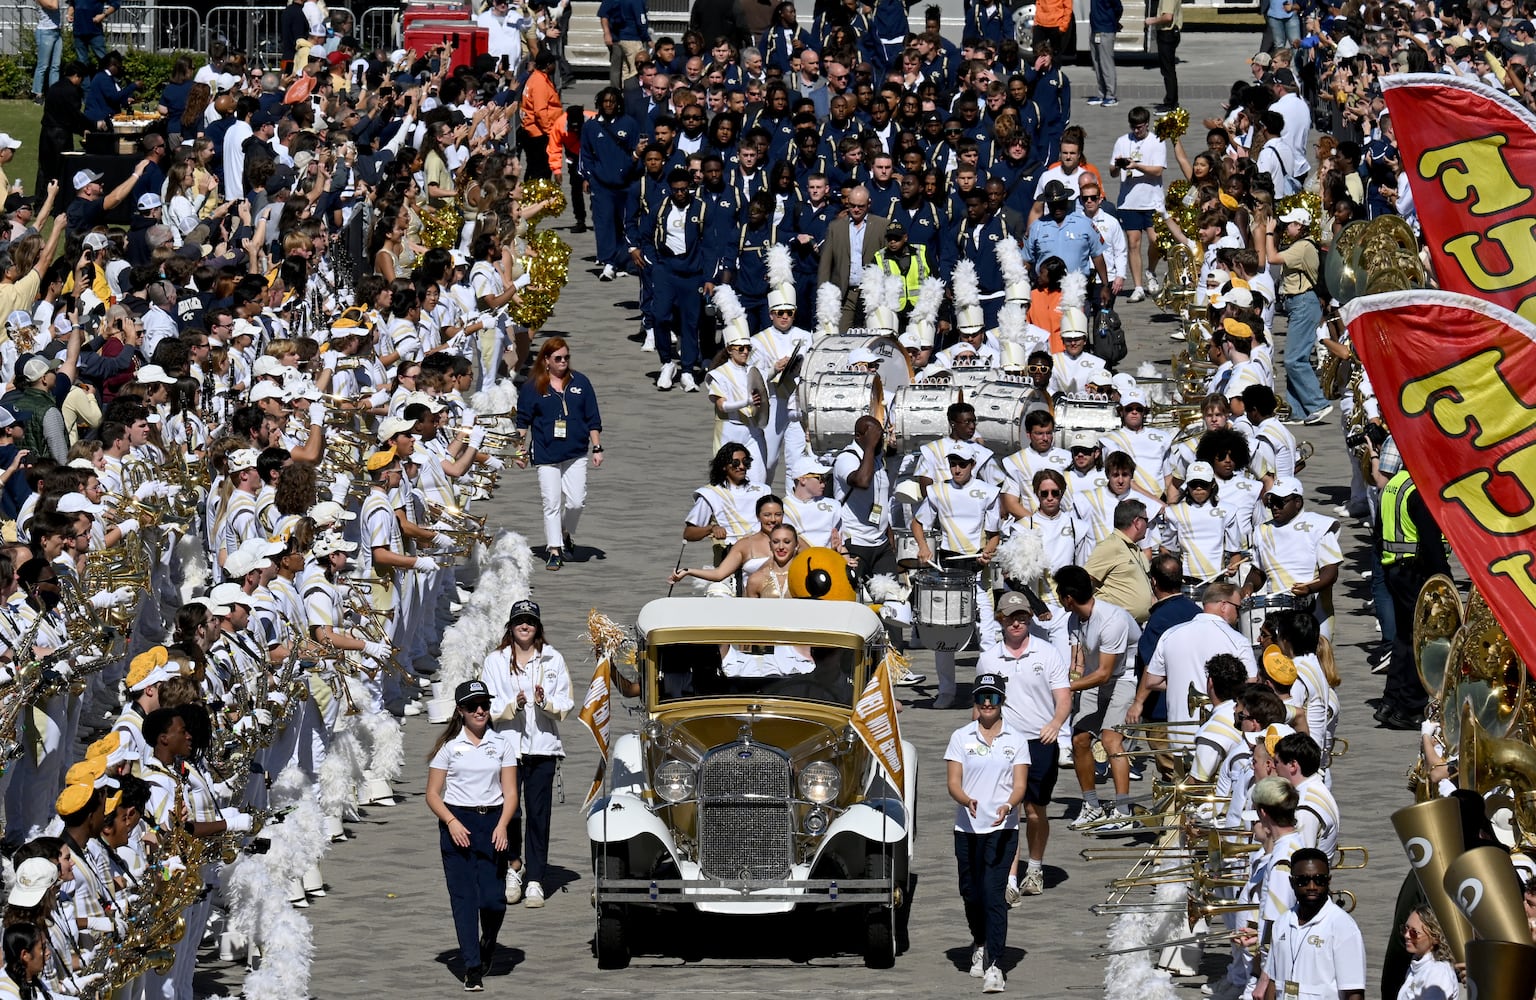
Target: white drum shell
[[919, 413], [830, 354], [1092, 413], [944, 609], [1001, 407], [1250, 617], [834, 402]]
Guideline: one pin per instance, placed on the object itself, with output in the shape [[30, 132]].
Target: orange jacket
[[542, 113], [1053, 14], [1045, 312]]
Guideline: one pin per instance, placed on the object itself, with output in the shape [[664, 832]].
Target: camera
[[1374, 433]]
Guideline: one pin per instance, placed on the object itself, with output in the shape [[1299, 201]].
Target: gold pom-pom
[[1177, 192], [544, 190], [1173, 125], [440, 227], [547, 265]]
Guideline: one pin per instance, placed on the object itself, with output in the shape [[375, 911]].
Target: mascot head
[[821, 575]]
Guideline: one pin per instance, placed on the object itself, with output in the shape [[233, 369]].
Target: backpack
[[1109, 343]]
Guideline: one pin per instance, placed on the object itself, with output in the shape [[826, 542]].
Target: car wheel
[[612, 941], [880, 921]]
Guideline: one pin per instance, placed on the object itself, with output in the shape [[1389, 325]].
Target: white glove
[[262, 716], [339, 488], [316, 414], [61, 667], [242, 725], [174, 864], [124, 595], [101, 925], [147, 490], [109, 598], [1429, 727], [476, 438], [442, 541], [128, 525], [495, 464], [378, 650], [277, 698], [425, 564], [236, 821]]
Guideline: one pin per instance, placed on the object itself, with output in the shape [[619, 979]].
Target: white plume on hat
[[1022, 557], [967, 288], [829, 310], [924, 318], [1015, 274], [781, 278], [1014, 335], [1074, 295], [874, 296], [733, 315], [883, 587]]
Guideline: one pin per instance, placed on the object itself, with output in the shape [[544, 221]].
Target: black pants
[[476, 876], [873, 560], [984, 860], [1168, 62], [536, 147], [1404, 693]]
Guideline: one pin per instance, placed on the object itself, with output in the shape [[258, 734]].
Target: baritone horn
[[1486, 889]]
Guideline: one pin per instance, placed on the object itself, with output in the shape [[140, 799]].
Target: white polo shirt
[[1312, 695], [474, 769], [1148, 446], [963, 514], [987, 775], [1322, 956], [1034, 677], [866, 512], [1184, 650]]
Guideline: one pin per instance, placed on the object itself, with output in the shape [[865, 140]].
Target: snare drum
[[906, 548], [1250, 617], [1001, 407], [944, 609], [830, 354], [1084, 413], [919, 413], [834, 401]]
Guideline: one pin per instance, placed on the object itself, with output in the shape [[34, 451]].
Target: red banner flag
[[1456, 381], [1469, 153]]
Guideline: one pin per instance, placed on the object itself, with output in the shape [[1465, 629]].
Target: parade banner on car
[[1469, 153], [1456, 381], [874, 719], [596, 716]]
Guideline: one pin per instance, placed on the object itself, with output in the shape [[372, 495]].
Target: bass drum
[[834, 402], [919, 413], [1084, 413], [1001, 407], [972, 378], [830, 354]]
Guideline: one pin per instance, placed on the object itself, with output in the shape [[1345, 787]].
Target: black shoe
[[1164, 109], [474, 980], [567, 543], [579, 228], [554, 562], [1396, 720]]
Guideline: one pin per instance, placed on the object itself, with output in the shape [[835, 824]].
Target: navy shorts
[[1043, 768], [1134, 219]]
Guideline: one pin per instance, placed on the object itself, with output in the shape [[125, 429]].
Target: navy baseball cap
[[469, 691]]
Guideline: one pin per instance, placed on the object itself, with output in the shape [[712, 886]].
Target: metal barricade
[[160, 28], [16, 23], [380, 29], [251, 29]]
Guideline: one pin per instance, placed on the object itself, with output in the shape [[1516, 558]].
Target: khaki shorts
[[1104, 707]]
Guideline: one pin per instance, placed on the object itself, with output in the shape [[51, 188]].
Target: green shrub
[[15, 78]]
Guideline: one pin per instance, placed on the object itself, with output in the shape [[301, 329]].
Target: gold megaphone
[[1484, 886], [1500, 970], [1432, 837]]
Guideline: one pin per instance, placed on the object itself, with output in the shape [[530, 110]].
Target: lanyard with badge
[[559, 432]]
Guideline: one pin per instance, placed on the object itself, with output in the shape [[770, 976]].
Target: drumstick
[[678, 566]]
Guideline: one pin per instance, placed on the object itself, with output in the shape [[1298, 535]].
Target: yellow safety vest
[[1399, 533], [911, 278]]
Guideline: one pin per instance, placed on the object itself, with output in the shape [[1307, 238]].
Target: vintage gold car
[[747, 790]]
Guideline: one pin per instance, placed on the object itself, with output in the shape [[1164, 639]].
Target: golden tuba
[[1432, 837]]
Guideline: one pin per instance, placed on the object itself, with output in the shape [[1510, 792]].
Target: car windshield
[[707, 670]]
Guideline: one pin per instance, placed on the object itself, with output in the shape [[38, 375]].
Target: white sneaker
[[1034, 882], [650, 340], [668, 375], [979, 962], [1089, 815], [908, 679], [1139, 294], [533, 898], [993, 983], [1153, 285], [608, 273], [412, 708], [1121, 822], [514, 884], [1177, 335], [689, 385], [1012, 895]]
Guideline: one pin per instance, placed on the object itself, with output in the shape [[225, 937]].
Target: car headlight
[[674, 781], [820, 782]]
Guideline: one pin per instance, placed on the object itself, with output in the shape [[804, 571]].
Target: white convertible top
[[728, 613]]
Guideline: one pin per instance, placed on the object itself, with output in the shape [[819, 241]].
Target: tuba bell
[[1432, 837], [1500, 970], [1485, 888]]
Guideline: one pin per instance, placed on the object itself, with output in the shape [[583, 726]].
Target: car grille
[[744, 813]]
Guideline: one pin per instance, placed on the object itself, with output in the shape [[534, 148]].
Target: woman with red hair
[[559, 422]]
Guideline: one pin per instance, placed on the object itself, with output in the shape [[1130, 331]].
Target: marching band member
[[1203, 533], [1147, 445], [726, 509], [1296, 553], [775, 348], [932, 461], [1038, 454], [815, 517], [734, 400]]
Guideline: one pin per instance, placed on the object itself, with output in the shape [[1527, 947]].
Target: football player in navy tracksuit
[[608, 144]]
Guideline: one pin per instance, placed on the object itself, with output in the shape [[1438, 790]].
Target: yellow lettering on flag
[[1470, 393], [874, 719], [596, 716], [1475, 169]]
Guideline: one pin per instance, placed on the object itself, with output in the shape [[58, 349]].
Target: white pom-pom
[[729, 305], [884, 587], [1022, 557]]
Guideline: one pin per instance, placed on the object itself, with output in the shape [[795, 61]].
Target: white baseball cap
[[149, 201], [807, 465], [330, 542], [390, 426], [154, 373], [267, 390], [328, 512], [239, 562], [19, 319], [1299, 215], [85, 177], [230, 594], [1287, 486], [268, 365], [1133, 397], [35, 368], [6, 142], [1200, 472], [34, 877], [432, 403], [243, 458], [78, 503], [93, 241]]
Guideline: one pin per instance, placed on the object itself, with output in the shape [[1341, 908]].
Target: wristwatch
[[597, 450]]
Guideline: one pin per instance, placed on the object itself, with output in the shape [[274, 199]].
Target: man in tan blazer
[[855, 228]]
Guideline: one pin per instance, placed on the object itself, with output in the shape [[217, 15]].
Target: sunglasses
[[1310, 879], [988, 698], [740, 463], [476, 706], [559, 357], [958, 463], [1042, 494], [1275, 503]]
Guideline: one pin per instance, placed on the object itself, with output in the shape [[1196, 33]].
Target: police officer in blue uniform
[[1068, 234], [608, 144], [684, 257]]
